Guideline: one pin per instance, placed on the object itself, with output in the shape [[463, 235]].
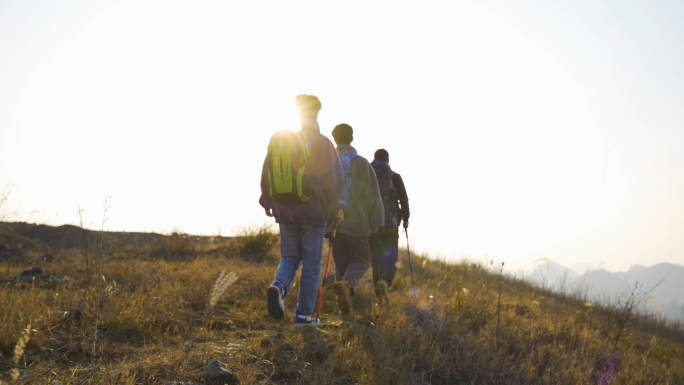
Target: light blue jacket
[[364, 197]]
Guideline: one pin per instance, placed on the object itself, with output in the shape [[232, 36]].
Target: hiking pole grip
[[325, 275], [408, 249]]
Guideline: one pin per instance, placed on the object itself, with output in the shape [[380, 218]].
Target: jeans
[[385, 255], [352, 258], [301, 244]]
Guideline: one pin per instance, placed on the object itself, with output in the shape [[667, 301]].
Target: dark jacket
[[402, 197], [364, 197], [384, 173], [326, 181]]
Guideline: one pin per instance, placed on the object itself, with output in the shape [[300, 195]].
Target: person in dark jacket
[[384, 244], [302, 225], [364, 214]]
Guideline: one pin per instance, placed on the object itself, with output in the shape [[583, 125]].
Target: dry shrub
[[255, 243], [177, 245]]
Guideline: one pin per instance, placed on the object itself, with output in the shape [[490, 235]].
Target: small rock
[[31, 274], [37, 270], [217, 374], [73, 315]]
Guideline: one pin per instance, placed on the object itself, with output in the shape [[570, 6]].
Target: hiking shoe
[[342, 289], [381, 291], [305, 320], [274, 303]]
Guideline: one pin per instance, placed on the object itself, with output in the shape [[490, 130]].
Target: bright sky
[[523, 130]]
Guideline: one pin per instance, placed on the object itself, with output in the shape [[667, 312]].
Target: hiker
[[384, 244], [363, 215], [301, 183]]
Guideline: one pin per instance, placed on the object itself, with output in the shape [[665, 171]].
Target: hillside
[[144, 309]]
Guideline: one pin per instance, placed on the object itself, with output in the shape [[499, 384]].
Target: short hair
[[343, 133], [308, 103], [381, 154]]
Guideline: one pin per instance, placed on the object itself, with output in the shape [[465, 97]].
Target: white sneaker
[[274, 300], [306, 320]]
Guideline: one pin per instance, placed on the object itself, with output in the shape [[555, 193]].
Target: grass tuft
[[19, 351], [221, 285]]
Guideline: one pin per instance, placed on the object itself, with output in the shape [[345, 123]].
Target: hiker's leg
[[312, 253], [290, 253], [359, 260], [390, 257], [376, 251], [341, 255]]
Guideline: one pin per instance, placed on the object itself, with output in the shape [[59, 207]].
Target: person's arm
[[265, 200], [402, 197]]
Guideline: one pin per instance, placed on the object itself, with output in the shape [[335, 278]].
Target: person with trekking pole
[[363, 215], [301, 184], [384, 244]]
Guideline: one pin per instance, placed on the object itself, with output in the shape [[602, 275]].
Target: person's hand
[[339, 216], [374, 230], [269, 213], [405, 224]]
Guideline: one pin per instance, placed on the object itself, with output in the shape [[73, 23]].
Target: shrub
[[255, 242], [177, 245]]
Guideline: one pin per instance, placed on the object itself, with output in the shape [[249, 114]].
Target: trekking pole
[[413, 281], [325, 275]]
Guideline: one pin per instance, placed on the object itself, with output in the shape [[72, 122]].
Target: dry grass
[[156, 325]]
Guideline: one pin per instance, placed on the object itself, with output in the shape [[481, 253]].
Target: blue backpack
[[345, 162]]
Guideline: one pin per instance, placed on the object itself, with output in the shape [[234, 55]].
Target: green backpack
[[287, 160]]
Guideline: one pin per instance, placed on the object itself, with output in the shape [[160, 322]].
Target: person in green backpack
[[363, 215], [301, 184]]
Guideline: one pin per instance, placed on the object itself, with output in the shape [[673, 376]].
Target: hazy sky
[[523, 130]]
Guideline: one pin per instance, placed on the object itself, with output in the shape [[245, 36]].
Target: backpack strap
[[304, 157], [348, 159]]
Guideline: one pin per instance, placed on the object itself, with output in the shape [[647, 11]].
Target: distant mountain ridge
[[663, 283]]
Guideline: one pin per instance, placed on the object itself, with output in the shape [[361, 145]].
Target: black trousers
[[384, 247]]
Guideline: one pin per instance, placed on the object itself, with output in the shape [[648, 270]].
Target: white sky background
[[522, 130]]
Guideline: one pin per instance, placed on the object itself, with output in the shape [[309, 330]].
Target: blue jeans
[[301, 244]]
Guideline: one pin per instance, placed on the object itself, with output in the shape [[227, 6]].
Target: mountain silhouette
[[661, 286]]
